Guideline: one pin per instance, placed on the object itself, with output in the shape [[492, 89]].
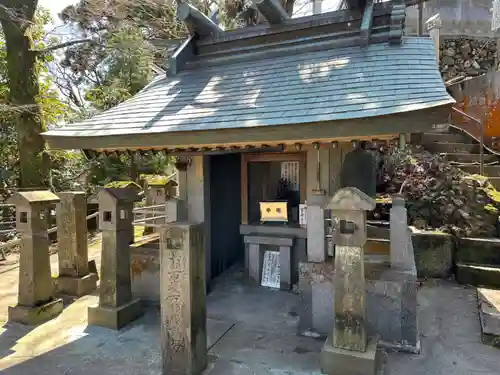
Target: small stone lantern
[[36, 296], [347, 350]]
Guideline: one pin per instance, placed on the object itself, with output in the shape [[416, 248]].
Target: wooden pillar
[[183, 299], [36, 296], [74, 277]]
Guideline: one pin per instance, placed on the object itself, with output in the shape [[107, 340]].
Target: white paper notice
[[271, 270]]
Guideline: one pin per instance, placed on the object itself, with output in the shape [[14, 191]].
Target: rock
[[451, 52], [447, 60], [466, 50]]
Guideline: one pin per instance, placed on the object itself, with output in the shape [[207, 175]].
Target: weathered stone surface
[[74, 278], [72, 234], [478, 251], [183, 300], [114, 317], [36, 300], [433, 254], [391, 303], [34, 315], [336, 361], [316, 232], [401, 255], [478, 275], [350, 310], [115, 292]]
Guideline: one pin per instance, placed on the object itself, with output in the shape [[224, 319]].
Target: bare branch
[[63, 45]]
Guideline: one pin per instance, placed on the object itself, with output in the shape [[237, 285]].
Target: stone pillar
[[347, 350], [116, 306], [36, 296], [401, 255], [183, 299], [317, 250], [74, 277]]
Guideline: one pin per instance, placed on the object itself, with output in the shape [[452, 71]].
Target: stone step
[[489, 170], [469, 158], [378, 246], [478, 275], [480, 251], [445, 137], [452, 147], [489, 315]]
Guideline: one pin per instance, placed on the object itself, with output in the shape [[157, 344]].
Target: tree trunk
[[24, 90]]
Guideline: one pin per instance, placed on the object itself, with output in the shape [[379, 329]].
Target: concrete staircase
[[462, 150], [478, 264]]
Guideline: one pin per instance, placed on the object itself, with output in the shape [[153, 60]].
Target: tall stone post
[[347, 350], [317, 250], [36, 297], [401, 254], [183, 304], [74, 277], [116, 306]]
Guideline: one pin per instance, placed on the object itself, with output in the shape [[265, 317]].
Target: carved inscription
[[174, 282]]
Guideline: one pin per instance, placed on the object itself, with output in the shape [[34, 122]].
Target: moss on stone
[[155, 179], [122, 184]]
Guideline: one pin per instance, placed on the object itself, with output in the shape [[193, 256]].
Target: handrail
[[17, 241]]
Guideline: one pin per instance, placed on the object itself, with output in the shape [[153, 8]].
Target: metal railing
[[17, 241], [157, 218]]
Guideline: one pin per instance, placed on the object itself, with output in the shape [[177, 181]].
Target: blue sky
[[55, 6]]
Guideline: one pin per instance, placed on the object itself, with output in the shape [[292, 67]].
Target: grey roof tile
[[325, 85]]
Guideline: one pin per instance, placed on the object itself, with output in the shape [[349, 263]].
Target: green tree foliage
[[48, 109]]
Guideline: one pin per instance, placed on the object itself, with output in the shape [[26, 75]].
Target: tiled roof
[[334, 84]]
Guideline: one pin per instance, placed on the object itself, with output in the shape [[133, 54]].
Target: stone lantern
[[347, 350], [36, 298]]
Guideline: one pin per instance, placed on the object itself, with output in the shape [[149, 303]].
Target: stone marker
[[36, 299], [347, 350], [183, 305], [116, 307], [401, 254], [317, 250], [74, 276]]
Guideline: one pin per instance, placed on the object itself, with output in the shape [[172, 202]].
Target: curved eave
[[380, 127]]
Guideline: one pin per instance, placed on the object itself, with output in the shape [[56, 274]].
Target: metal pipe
[[480, 126]]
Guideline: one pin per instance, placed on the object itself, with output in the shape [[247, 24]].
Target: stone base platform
[[77, 286], [35, 315], [489, 315], [335, 361], [114, 317], [391, 298]]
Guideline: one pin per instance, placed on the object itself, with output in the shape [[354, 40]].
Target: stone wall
[[466, 56]]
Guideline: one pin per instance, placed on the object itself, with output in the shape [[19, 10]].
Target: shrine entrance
[[226, 243]]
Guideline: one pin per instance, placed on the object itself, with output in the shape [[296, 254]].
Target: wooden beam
[[272, 11], [196, 21], [398, 16], [366, 23]]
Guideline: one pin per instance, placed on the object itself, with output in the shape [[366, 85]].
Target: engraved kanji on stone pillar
[[183, 300], [116, 306], [74, 277], [36, 298], [347, 350]]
